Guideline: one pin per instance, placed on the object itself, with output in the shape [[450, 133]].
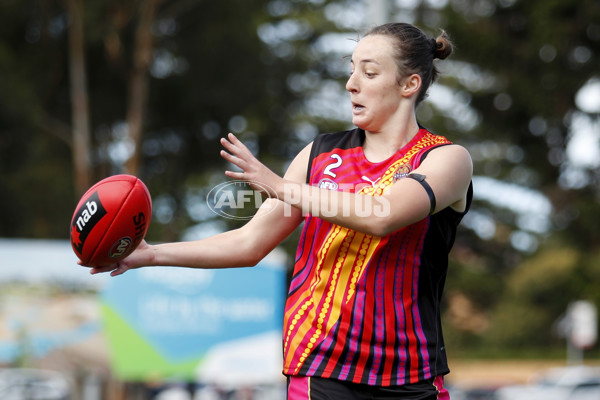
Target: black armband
[[421, 179]]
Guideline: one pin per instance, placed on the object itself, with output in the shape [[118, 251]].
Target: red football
[[111, 220]]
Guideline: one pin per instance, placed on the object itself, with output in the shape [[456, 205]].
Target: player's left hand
[[253, 171]]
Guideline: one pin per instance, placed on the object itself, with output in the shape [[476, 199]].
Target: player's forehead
[[376, 49]]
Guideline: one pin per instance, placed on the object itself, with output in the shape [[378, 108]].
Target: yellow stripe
[[348, 268], [327, 313], [309, 301]]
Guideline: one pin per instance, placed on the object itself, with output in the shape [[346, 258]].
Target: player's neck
[[379, 146]]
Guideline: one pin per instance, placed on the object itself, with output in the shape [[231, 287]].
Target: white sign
[[583, 318]]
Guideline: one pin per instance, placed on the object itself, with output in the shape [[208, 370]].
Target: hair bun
[[443, 46]]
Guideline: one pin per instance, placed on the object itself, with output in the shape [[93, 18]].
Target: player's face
[[373, 84]]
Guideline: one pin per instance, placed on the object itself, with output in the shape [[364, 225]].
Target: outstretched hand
[[141, 256], [255, 173]]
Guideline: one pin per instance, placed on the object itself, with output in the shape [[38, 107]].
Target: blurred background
[[90, 89]]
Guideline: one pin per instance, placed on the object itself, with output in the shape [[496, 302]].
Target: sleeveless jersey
[[364, 308]]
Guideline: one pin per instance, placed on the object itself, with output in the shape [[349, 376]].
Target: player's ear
[[410, 85]]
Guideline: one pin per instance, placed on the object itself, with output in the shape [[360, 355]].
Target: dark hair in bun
[[443, 46]]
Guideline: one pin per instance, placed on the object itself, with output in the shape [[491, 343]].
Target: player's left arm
[[447, 171]]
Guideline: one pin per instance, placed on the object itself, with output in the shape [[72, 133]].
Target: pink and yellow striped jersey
[[364, 308]]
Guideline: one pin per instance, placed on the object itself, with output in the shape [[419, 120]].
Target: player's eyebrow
[[365, 61]]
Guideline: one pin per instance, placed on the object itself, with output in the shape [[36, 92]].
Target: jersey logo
[[401, 172], [328, 184], [365, 178]]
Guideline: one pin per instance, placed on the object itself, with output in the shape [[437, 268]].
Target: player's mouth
[[357, 107]]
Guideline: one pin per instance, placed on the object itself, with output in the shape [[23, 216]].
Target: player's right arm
[[243, 247]]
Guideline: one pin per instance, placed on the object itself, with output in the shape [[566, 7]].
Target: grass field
[[494, 373]]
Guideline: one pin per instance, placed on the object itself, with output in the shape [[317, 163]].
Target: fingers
[[103, 269], [121, 268], [237, 154], [114, 269], [141, 256], [235, 146], [235, 141], [232, 153], [235, 161], [232, 158]]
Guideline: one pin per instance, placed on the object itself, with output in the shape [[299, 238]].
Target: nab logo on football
[[85, 219], [121, 247]]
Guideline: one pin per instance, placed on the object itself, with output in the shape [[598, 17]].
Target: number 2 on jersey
[[330, 167]]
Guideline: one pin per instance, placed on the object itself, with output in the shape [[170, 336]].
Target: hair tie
[[434, 46]]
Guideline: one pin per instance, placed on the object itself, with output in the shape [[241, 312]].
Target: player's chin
[[361, 122]]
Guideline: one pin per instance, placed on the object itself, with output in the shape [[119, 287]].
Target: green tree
[[180, 75], [535, 57], [517, 70]]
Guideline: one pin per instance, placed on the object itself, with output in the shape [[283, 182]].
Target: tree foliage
[[521, 66], [537, 55]]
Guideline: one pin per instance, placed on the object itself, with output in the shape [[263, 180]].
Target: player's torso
[[345, 280]]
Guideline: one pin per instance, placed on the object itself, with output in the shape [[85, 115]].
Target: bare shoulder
[[452, 156], [452, 150]]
